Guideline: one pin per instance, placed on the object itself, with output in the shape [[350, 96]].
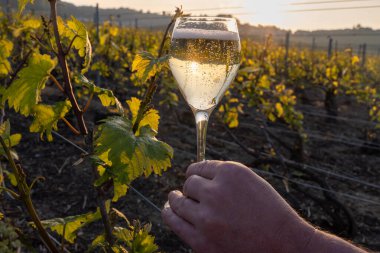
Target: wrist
[[298, 237]]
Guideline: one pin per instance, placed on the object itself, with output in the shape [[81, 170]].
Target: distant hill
[[121, 16], [343, 38]]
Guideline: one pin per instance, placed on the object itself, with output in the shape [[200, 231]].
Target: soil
[[68, 189]]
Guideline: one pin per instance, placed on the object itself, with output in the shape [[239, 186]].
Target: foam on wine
[[205, 34]]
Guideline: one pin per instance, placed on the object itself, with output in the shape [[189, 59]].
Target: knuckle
[[177, 203], [188, 182]]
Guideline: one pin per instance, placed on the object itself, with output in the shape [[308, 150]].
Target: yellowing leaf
[[134, 106], [280, 88], [119, 190], [10, 140], [146, 65], [355, 59], [71, 224], [22, 4], [279, 109], [46, 118], [134, 237], [264, 82], [32, 23], [12, 178], [105, 96], [6, 48], [76, 29], [271, 117], [150, 118], [24, 92], [131, 156]]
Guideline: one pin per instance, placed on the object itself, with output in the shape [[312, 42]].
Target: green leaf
[[106, 97], [151, 117], [46, 118], [76, 29], [146, 65], [6, 48], [131, 156], [22, 4], [10, 140], [71, 224], [99, 240], [143, 242], [12, 178], [136, 238], [25, 92]]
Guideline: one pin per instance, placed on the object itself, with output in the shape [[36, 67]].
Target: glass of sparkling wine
[[204, 59]]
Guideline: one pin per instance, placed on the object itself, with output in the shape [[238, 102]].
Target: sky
[[267, 12]]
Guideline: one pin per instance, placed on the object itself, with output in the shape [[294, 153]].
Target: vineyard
[[94, 134]]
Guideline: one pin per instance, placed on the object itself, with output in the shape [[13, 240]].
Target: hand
[[225, 207]]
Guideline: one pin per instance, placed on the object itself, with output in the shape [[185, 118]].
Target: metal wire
[[336, 9], [331, 173], [149, 202], [290, 180], [328, 2], [346, 195], [315, 113]]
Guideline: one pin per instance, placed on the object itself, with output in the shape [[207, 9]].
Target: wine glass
[[204, 59]]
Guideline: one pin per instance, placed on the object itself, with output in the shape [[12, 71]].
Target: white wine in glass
[[204, 59]]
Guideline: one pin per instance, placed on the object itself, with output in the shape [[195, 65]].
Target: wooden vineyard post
[[364, 54], [329, 50], [96, 19], [287, 44]]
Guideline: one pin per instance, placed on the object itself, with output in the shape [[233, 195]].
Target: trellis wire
[[154, 206], [346, 195]]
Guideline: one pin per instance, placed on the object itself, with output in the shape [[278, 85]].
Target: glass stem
[[201, 120]]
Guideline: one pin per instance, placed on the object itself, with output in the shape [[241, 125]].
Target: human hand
[[225, 207]]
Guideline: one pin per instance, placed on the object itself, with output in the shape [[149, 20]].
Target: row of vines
[[88, 68]]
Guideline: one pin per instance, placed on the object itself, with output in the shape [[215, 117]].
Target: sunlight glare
[[193, 66]]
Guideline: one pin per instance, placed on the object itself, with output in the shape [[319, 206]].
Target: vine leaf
[[106, 97], [76, 30], [134, 238], [127, 155], [28, 24], [72, 224], [137, 238], [151, 117], [10, 139], [119, 190], [146, 65], [46, 118], [6, 48], [24, 93], [22, 4]]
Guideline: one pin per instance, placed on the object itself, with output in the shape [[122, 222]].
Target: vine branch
[[152, 88], [24, 195], [56, 83], [88, 102], [71, 44], [72, 128], [65, 71]]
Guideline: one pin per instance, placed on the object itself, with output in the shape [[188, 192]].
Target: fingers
[[182, 228], [206, 169], [182, 206], [195, 186]]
